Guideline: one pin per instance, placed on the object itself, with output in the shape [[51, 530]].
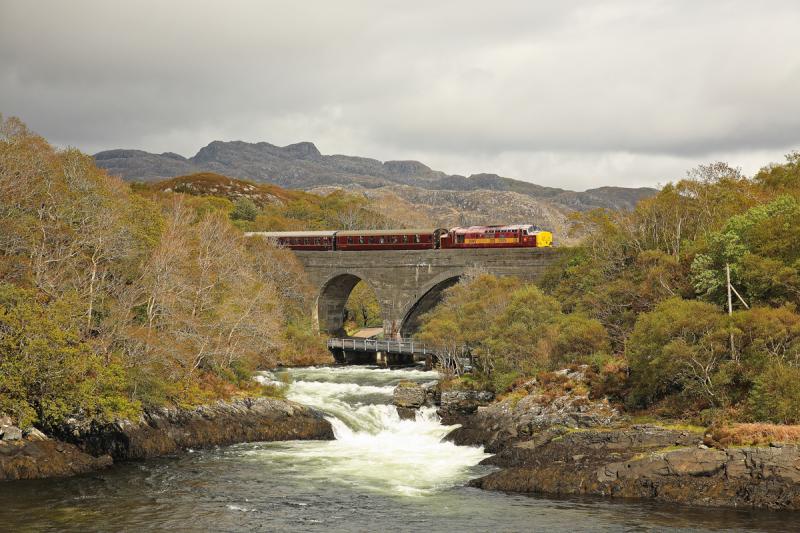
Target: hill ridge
[[301, 165]]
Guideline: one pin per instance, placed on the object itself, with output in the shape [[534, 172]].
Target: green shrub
[[776, 395], [245, 209], [46, 372], [677, 347]]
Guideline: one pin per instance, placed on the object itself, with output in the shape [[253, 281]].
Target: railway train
[[512, 236]]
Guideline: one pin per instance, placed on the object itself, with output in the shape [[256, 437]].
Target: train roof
[[278, 234], [412, 231], [509, 227]]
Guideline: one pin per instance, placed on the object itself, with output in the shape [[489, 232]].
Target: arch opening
[[429, 300], [362, 310], [333, 300]]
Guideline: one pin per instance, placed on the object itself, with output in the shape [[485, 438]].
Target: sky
[[573, 94]]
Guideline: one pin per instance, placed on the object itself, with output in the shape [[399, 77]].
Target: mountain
[[302, 166], [398, 205]]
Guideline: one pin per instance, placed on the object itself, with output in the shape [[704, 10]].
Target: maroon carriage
[[397, 239], [299, 240]]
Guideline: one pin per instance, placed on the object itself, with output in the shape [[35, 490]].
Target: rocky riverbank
[[551, 438], [81, 446]]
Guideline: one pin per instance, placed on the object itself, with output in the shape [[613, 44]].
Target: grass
[[754, 434], [667, 424]]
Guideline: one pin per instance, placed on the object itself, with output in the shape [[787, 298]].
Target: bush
[[608, 377], [678, 347], [578, 339], [245, 209], [46, 372], [776, 394]]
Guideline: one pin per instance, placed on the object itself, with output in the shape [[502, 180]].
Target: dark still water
[[381, 474]]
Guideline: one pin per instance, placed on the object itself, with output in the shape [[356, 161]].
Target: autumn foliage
[[643, 301], [113, 299]]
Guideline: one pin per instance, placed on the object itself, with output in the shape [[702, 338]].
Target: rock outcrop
[[648, 462], [168, 430], [84, 446], [455, 406], [568, 444], [501, 423], [40, 458]]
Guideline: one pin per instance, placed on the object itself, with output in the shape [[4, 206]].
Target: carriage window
[[460, 239], [380, 240], [360, 240], [416, 238], [349, 240], [405, 238]]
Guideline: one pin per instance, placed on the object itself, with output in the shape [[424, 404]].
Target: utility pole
[[732, 289], [730, 309]]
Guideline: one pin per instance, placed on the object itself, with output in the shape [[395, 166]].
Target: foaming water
[[374, 448]]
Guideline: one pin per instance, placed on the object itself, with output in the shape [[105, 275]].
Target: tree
[[678, 347], [776, 395], [46, 371], [362, 307]]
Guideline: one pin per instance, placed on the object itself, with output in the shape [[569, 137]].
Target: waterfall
[[373, 446]]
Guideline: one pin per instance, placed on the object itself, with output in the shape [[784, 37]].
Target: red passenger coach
[[398, 239], [299, 240]]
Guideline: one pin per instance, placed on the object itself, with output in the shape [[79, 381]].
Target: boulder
[[458, 406], [34, 434], [31, 459], [406, 413], [409, 395], [8, 432]]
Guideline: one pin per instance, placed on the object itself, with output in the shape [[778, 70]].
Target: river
[[380, 474]]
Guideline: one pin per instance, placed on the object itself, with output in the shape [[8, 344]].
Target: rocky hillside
[[444, 208], [302, 166], [210, 184]]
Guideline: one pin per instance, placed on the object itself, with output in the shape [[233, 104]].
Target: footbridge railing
[[394, 346]]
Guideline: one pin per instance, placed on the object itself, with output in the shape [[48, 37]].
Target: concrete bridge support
[[408, 283]]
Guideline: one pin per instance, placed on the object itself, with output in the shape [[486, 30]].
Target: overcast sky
[[570, 94]]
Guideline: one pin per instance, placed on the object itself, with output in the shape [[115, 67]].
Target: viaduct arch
[[407, 283]]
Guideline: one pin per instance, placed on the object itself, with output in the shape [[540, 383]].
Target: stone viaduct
[[407, 283]]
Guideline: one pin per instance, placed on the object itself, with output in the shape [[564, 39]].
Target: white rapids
[[373, 449]]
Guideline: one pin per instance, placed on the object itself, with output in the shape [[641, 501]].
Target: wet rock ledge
[[648, 462], [82, 446], [564, 443]]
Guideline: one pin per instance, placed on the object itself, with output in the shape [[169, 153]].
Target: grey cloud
[[561, 93]]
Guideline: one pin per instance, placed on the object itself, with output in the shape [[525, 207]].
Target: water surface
[[380, 474]]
